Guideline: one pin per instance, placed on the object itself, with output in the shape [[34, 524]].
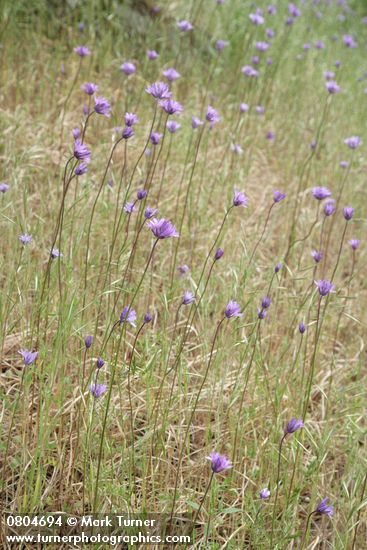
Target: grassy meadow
[[189, 280]]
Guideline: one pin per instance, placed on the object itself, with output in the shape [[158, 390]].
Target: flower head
[[29, 357], [173, 126], [128, 68], [325, 287], [353, 142], [187, 298], [233, 309], [221, 44], [244, 107], [162, 228], [81, 169], [171, 74], [293, 425], [240, 199], [219, 462], [148, 317], [184, 25], [81, 151], [196, 122], [89, 88], [247, 70], [321, 193], [332, 87], [278, 196], [25, 239], [256, 19], [183, 269], [97, 390], [130, 119], [127, 132], [329, 208], [277, 267], [55, 253], [261, 313], [155, 138], [128, 315], [348, 213], [4, 187], [141, 194], [170, 106], [324, 509], [302, 327], [129, 207], [75, 132], [100, 363], [212, 115], [264, 493], [159, 90], [265, 302], [88, 341], [218, 254], [152, 55], [82, 51], [354, 243], [349, 41], [102, 106], [150, 212], [317, 255]]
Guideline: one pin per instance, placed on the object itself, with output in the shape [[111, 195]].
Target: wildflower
[[270, 33], [81, 169], [317, 256], [130, 119], [171, 74], [325, 287], [247, 70], [233, 309], [173, 126], [100, 363], [219, 462], [264, 493], [129, 207], [261, 313], [150, 212], [102, 106], [240, 199], [260, 109], [29, 357], [319, 45], [55, 253], [162, 229], [302, 328], [218, 254], [128, 68], [4, 187], [353, 142], [354, 243], [244, 107], [329, 208], [332, 87], [88, 341], [277, 267], [221, 44], [293, 425], [159, 90], [256, 19], [321, 193], [293, 10], [81, 151], [187, 298], [262, 46], [171, 107], [89, 88], [344, 164], [148, 318], [183, 269], [25, 239], [128, 315], [82, 51], [348, 212], [278, 196], [237, 149], [270, 135], [184, 25], [306, 47], [349, 41], [97, 390], [329, 75], [338, 63], [75, 132], [324, 509], [127, 132], [272, 10], [152, 55], [196, 122], [155, 137], [265, 302], [212, 115], [141, 194]]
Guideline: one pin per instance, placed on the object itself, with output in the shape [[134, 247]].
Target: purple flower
[[325, 287], [212, 115], [220, 45], [173, 126], [256, 19], [270, 33], [302, 328], [233, 309], [89, 88], [272, 10], [260, 109], [244, 107], [25, 239], [317, 256], [247, 70], [184, 25], [85, 110], [100, 363], [128, 68], [354, 243], [218, 254], [353, 142], [159, 90], [219, 462], [130, 119], [349, 41], [148, 318], [127, 132], [150, 212], [55, 253], [141, 194], [240, 199], [128, 315], [187, 298], [97, 390], [293, 425], [265, 302], [344, 164], [155, 137], [75, 132], [293, 10], [332, 87], [329, 208], [237, 149], [152, 55], [324, 509], [129, 207], [255, 59], [277, 267], [88, 340], [278, 196], [329, 75], [29, 357], [264, 493], [82, 51], [261, 313], [171, 107], [183, 269], [319, 45], [262, 46], [81, 151], [162, 229], [348, 212], [306, 47], [102, 106], [196, 122], [81, 26], [171, 74], [4, 187], [270, 135], [338, 63], [321, 193], [81, 169]]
